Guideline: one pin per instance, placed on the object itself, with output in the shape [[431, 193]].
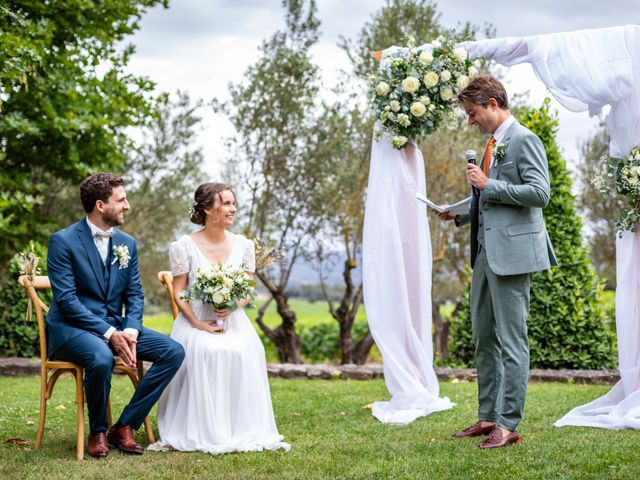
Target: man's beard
[[112, 219]]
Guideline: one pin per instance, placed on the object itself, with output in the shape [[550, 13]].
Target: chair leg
[[80, 414], [147, 426], [43, 408], [109, 415]]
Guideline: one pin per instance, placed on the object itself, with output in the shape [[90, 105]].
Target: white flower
[[473, 71], [426, 57], [395, 105], [382, 88], [436, 43], [446, 94], [398, 141], [445, 75], [425, 100], [462, 82], [460, 53], [410, 84], [638, 169], [218, 297], [121, 255], [403, 120], [431, 79], [417, 109]]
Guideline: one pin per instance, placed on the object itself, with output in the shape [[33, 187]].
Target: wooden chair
[[51, 370], [166, 278]]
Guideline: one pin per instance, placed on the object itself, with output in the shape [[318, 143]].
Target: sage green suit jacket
[[515, 237]]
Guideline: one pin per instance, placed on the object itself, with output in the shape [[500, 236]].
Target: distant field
[[308, 313]]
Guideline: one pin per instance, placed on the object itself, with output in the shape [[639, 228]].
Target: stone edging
[[29, 366]]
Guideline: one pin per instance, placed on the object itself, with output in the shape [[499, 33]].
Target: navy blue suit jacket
[[82, 300]]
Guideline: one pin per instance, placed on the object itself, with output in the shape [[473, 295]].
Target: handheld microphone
[[470, 155]]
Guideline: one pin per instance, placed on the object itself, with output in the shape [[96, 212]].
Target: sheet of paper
[[459, 208]]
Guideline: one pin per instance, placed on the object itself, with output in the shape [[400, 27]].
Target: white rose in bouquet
[[425, 100], [473, 71], [410, 84], [395, 105], [417, 109], [445, 75], [403, 120]]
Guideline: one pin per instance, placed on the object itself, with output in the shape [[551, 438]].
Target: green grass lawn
[[333, 435]]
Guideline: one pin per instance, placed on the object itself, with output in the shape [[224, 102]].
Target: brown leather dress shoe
[[497, 439], [121, 437], [97, 445], [476, 430]]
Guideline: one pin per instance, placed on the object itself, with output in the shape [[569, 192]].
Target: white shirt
[[102, 244], [500, 132]]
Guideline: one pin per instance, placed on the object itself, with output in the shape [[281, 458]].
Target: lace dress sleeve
[[178, 258], [249, 258]]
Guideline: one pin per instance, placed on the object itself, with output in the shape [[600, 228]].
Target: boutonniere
[[499, 151], [121, 255]]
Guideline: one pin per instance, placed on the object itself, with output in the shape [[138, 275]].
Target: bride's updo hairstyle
[[205, 197]]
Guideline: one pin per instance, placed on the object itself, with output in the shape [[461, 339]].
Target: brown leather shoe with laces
[[476, 430], [497, 439], [121, 437], [97, 445]]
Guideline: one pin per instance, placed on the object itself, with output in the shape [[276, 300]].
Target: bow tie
[[103, 233]]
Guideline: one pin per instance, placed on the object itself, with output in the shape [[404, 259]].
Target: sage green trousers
[[499, 311]]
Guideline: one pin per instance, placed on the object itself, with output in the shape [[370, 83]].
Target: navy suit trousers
[[95, 356]]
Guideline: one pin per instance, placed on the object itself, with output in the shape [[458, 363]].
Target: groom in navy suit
[[97, 312]]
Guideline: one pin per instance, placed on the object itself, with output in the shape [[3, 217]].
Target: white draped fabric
[[586, 70], [397, 283]]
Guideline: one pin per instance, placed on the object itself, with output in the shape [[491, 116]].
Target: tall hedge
[[18, 336], [567, 325]]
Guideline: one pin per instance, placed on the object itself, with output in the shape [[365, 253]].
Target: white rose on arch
[[431, 79], [410, 84], [463, 82], [382, 88], [426, 57], [446, 94], [460, 53]]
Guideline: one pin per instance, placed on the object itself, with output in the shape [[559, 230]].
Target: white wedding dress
[[219, 401]]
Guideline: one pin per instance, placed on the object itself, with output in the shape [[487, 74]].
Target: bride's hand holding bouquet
[[225, 288]]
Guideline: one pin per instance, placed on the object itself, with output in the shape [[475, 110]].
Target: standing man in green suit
[[509, 242]]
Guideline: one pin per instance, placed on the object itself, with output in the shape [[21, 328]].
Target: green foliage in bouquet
[[18, 333], [567, 324], [222, 286], [414, 91], [623, 176]]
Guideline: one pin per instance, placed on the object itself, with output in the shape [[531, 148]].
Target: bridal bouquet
[[415, 89], [222, 287], [623, 175]]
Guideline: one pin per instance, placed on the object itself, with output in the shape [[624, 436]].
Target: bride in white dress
[[219, 401]]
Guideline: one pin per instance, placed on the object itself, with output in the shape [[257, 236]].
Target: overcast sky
[[201, 45]]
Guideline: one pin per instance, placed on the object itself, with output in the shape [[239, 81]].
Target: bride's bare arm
[[179, 285]]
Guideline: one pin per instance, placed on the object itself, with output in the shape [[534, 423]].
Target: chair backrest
[[31, 284], [166, 278]]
